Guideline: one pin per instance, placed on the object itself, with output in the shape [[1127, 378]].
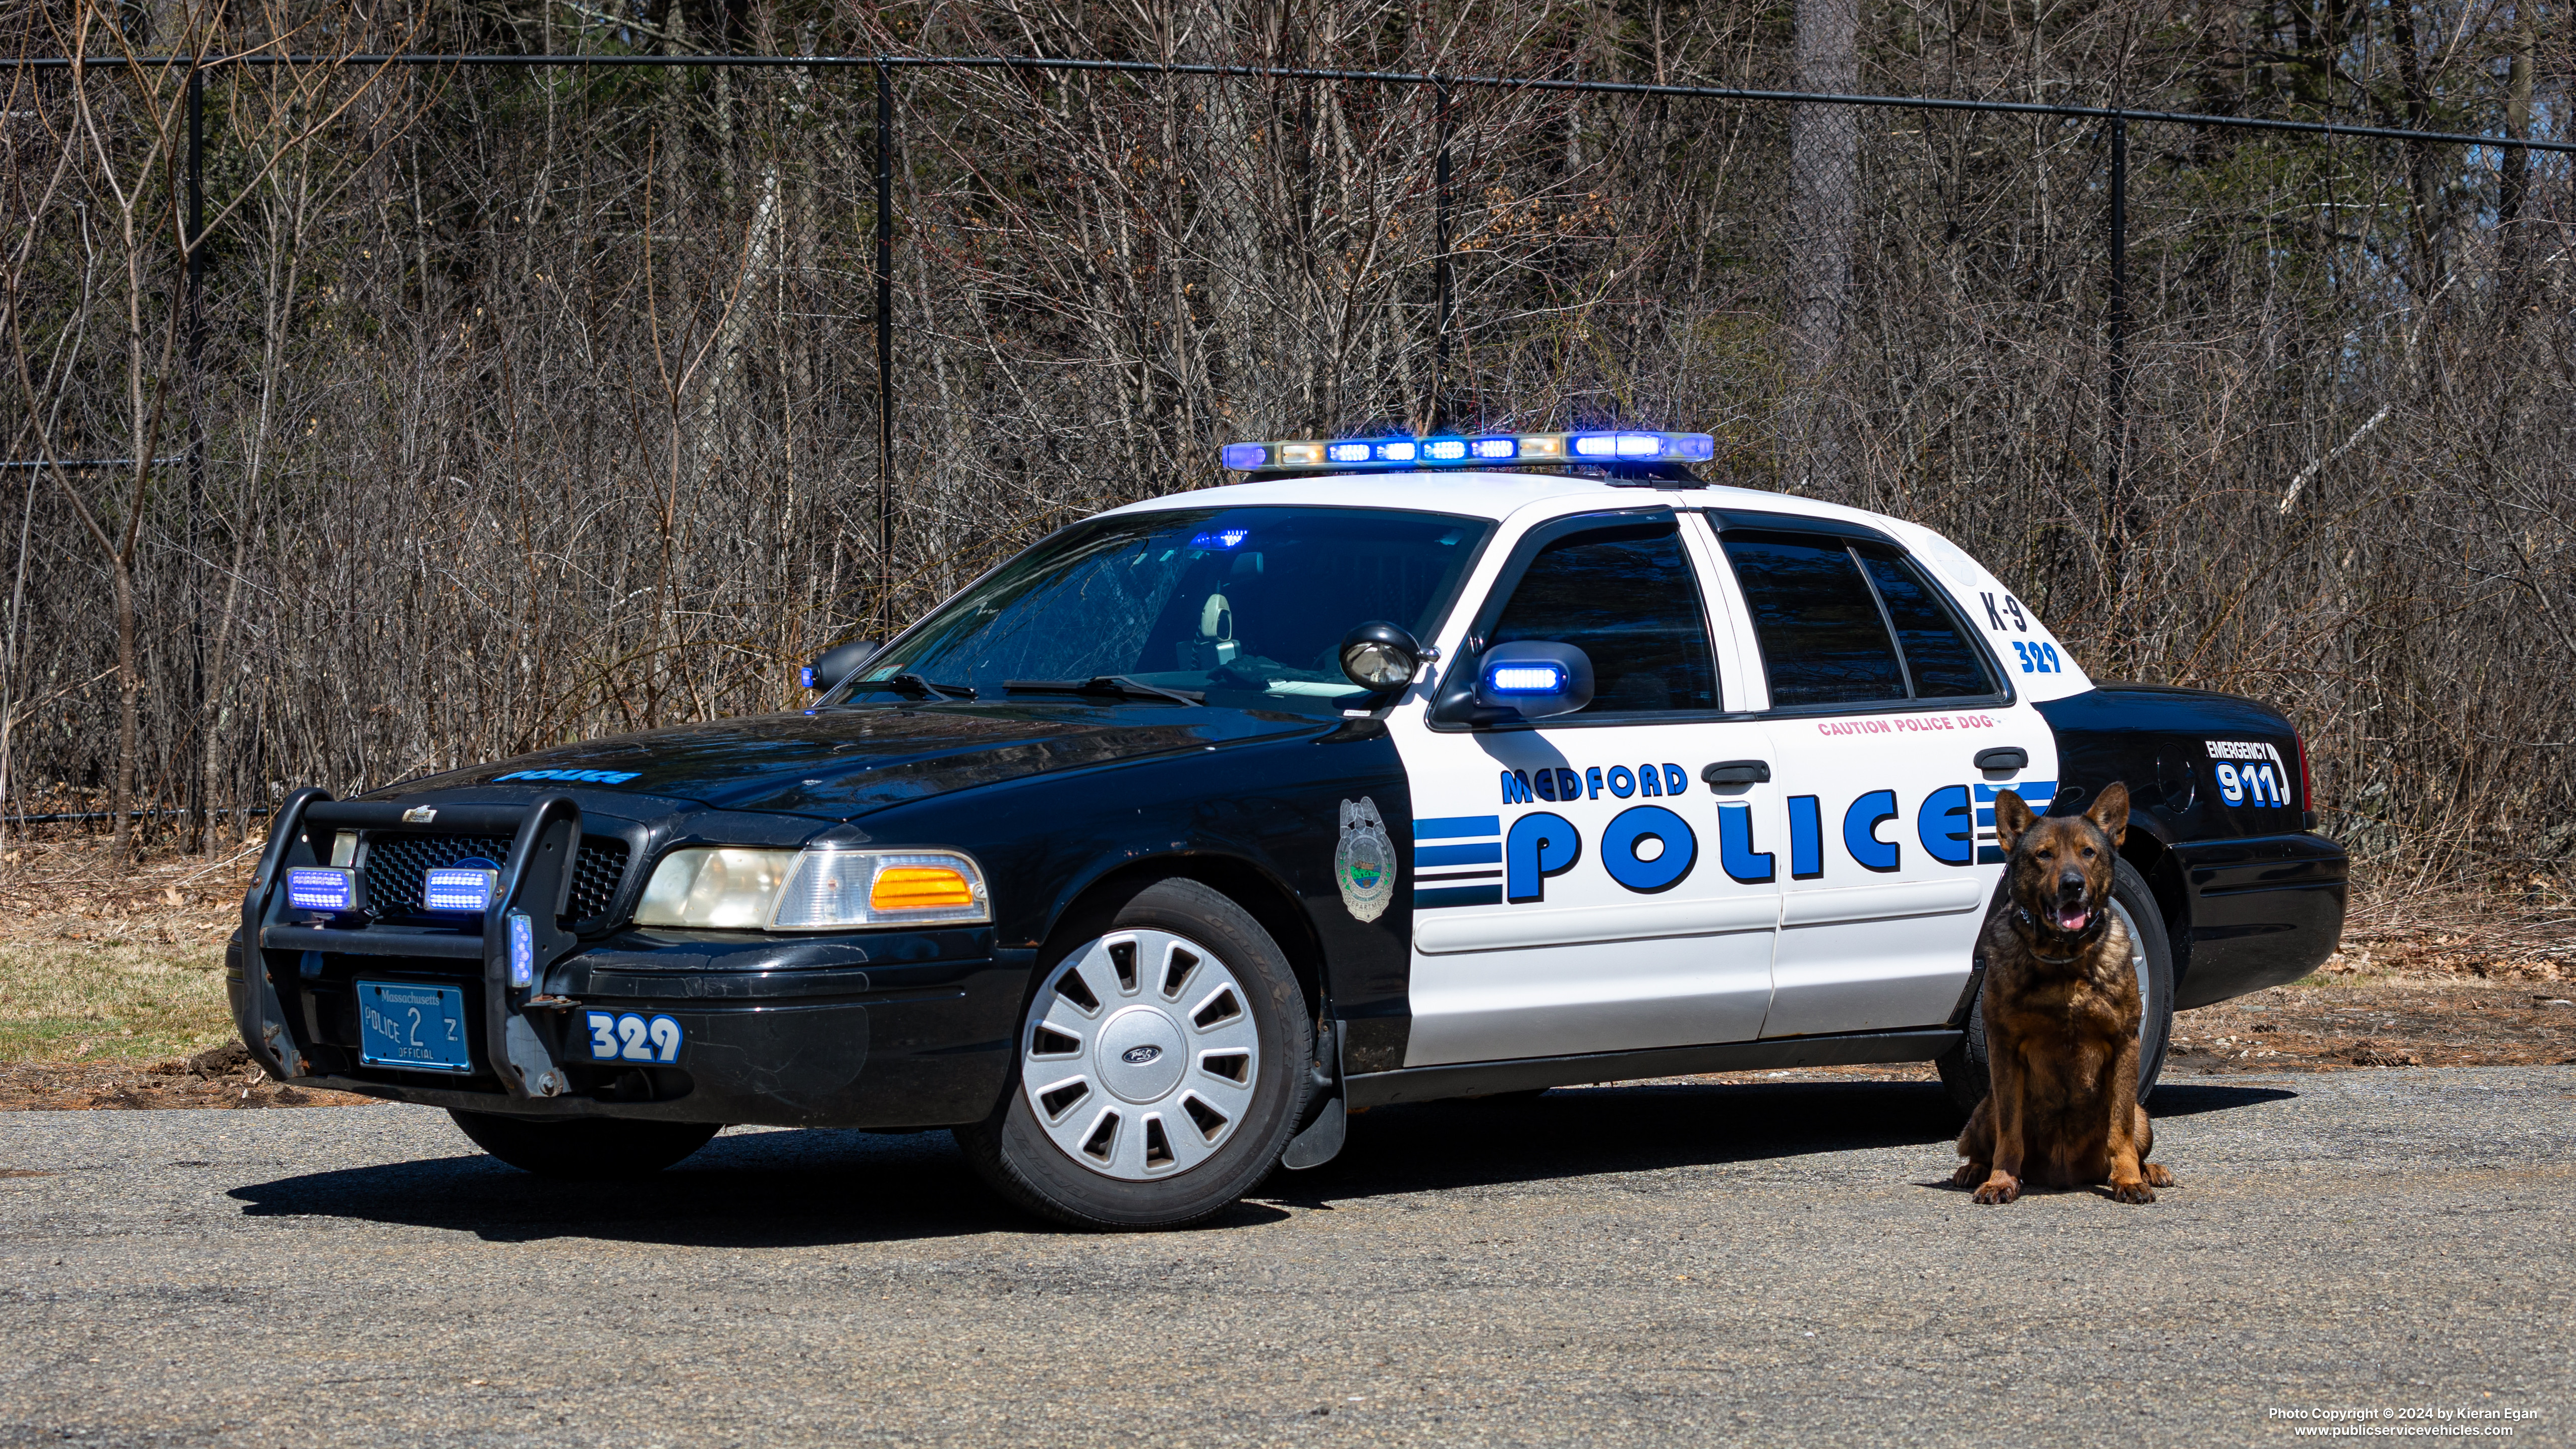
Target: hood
[[849, 760]]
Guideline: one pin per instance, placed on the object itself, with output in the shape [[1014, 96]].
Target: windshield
[[1247, 605]]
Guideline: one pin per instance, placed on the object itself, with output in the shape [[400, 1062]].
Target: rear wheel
[[1162, 1066], [590, 1148], [1963, 1068]]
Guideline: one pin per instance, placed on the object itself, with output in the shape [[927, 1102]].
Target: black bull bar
[[535, 881]]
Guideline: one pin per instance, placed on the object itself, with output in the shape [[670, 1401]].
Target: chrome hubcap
[[1139, 1055], [2138, 964]]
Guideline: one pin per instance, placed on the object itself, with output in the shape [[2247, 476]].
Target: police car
[[1405, 769]]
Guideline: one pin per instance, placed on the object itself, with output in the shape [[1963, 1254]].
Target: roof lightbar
[[1499, 450]]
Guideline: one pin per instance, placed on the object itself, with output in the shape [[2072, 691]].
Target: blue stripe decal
[[1452, 827], [1489, 852], [1425, 900]]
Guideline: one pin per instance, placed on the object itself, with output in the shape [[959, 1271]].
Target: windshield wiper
[[917, 687], [1117, 684]]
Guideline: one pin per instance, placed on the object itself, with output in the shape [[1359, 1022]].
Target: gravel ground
[[1661, 1263]]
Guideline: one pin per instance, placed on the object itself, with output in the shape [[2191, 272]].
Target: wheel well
[[1239, 881], [2155, 860]]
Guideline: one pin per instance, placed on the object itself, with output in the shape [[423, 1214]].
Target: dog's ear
[[2110, 811], [2012, 817]]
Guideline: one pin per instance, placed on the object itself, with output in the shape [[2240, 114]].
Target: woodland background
[[540, 403]]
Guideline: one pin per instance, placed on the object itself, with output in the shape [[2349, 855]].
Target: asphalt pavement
[[1656, 1264]]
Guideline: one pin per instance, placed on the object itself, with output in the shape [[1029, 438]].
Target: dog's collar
[[2084, 940]]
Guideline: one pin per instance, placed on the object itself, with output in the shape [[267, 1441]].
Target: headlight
[[813, 890]]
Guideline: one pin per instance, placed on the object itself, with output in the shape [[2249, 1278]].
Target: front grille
[[397, 862]]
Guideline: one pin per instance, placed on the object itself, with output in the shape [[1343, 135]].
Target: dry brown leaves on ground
[[224, 1077]]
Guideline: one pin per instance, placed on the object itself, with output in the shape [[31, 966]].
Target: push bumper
[[890, 1029], [2265, 910]]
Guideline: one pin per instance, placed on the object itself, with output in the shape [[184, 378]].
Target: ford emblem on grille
[[1137, 1056]]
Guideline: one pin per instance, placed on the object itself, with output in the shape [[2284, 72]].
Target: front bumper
[[885, 1029]]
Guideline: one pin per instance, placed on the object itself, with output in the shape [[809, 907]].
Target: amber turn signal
[[919, 888]]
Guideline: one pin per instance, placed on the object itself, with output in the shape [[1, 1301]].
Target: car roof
[[1499, 495]]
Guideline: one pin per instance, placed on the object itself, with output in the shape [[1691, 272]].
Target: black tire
[[1964, 1073], [1012, 1149], [587, 1149]]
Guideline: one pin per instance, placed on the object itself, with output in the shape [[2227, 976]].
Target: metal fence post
[[2121, 518], [195, 302], [885, 349], [1439, 420]]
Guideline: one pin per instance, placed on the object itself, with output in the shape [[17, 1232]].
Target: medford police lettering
[[1649, 849], [1557, 783]]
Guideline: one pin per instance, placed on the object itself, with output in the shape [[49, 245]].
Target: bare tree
[[1824, 209]]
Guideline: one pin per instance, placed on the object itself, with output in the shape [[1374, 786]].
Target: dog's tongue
[[2073, 919]]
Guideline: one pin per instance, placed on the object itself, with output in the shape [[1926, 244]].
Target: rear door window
[[1943, 664], [1844, 623]]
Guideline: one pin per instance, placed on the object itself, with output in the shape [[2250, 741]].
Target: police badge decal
[[1364, 864]]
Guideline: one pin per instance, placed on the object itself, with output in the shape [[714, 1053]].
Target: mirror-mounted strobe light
[[1380, 655], [1537, 678], [321, 888], [458, 888], [1446, 452], [1526, 678]]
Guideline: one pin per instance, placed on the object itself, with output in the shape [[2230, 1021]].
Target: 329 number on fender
[[629, 1037]]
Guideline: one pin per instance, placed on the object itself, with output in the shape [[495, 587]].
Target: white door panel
[[1570, 1000], [1441, 934], [1540, 929], [1884, 902], [1569, 883], [1881, 699]]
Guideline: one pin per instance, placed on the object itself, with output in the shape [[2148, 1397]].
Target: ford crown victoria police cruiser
[[1400, 771]]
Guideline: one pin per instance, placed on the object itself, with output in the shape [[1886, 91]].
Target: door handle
[[2004, 757], [1738, 772]]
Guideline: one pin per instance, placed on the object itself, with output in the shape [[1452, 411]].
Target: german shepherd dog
[[2061, 1008]]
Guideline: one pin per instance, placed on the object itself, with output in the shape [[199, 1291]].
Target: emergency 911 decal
[[1491, 860], [2263, 779]]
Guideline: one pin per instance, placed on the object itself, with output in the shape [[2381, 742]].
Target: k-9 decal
[[2036, 657]]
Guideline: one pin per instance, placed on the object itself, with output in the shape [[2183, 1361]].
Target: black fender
[[2253, 897]]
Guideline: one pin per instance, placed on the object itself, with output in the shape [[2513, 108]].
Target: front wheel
[[1162, 1066], [585, 1148], [1964, 1073]]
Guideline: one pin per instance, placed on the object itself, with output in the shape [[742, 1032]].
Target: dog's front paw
[[2156, 1174], [1969, 1174], [2134, 1190], [1999, 1188]]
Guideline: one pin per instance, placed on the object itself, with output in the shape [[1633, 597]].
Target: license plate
[[401, 1024]]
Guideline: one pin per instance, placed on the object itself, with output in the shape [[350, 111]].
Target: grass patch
[[76, 1001]]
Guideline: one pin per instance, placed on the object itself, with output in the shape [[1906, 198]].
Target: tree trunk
[[1824, 204], [2513, 188], [129, 721]]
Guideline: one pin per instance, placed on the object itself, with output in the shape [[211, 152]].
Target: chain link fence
[[525, 402]]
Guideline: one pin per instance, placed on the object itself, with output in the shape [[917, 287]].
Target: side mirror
[[1537, 679], [838, 663], [1378, 655]]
